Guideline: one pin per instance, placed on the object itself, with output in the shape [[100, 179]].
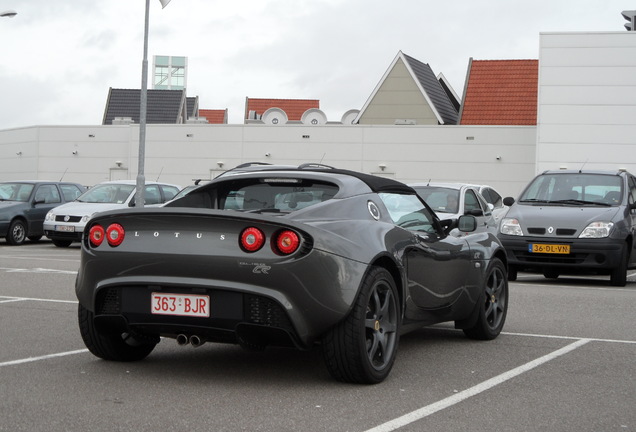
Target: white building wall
[[502, 156], [587, 101]]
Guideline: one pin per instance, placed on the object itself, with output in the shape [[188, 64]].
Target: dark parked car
[[573, 222], [287, 257], [24, 204]]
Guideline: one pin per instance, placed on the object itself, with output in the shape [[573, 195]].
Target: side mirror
[[508, 201], [467, 223], [132, 202]]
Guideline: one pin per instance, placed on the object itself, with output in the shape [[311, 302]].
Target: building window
[[169, 73]]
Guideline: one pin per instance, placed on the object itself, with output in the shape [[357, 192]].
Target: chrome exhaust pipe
[[182, 339], [196, 341]]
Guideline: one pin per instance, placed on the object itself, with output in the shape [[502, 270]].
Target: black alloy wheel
[[493, 304], [362, 348]]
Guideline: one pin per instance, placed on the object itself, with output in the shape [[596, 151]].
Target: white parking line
[[16, 299], [38, 257], [36, 270], [44, 357], [570, 338], [475, 390]]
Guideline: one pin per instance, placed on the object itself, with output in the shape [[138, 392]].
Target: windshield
[[107, 193], [593, 189], [15, 191], [440, 199]]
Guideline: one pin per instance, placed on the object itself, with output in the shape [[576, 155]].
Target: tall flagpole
[[143, 107]]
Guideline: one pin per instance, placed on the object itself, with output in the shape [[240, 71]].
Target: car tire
[[17, 232], [62, 243], [550, 274], [512, 273], [362, 348], [618, 275], [493, 304], [251, 345], [110, 346]]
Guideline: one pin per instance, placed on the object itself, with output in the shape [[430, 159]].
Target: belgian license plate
[[549, 248], [65, 228], [191, 305]]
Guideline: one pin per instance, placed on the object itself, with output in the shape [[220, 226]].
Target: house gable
[[408, 93]]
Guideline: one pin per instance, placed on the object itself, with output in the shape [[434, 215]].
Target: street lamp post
[[143, 107]]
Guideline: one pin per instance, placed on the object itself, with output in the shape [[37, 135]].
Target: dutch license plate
[[191, 305], [65, 228], [549, 248]]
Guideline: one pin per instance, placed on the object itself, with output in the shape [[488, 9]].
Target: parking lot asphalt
[[565, 362]]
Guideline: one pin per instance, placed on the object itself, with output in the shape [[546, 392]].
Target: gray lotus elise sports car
[[288, 256]]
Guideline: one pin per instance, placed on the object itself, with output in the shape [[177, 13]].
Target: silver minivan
[[573, 222]]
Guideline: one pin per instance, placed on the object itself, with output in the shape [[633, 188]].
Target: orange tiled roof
[[501, 92], [214, 116], [294, 108]]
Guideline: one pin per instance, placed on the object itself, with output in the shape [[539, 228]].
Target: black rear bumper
[[234, 317]]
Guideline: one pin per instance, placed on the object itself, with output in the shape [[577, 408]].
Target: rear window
[[284, 195]]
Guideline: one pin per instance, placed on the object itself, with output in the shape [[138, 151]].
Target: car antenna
[[322, 158], [581, 169], [159, 174], [63, 174], [429, 182]]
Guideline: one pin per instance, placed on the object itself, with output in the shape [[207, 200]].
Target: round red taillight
[[96, 235], [287, 242], [115, 234], [252, 239]]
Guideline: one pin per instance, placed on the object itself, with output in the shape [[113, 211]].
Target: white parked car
[[451, 200], [64, 224]]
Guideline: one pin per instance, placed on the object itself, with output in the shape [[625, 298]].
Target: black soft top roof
[[375, 183]]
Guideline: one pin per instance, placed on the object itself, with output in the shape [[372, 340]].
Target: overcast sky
[[59, 58]]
